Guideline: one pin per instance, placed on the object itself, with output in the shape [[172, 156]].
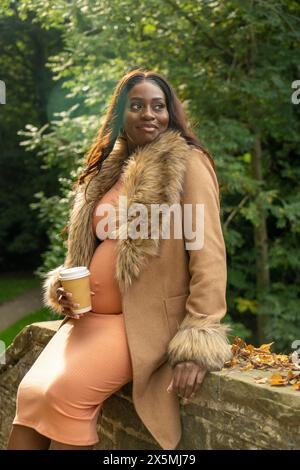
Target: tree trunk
[[260, 242]]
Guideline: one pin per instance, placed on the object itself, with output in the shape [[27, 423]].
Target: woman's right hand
[[64, 299]]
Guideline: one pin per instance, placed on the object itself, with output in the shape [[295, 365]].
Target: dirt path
[[25, 303]]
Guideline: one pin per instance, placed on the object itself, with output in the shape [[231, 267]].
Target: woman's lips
[[147, 128]]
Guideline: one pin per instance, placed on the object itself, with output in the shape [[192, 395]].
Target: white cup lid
[[73, 273]]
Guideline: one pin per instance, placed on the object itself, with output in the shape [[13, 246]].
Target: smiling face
[[146, 115]]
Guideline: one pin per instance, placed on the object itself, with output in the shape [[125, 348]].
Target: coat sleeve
[[51, 279], [201, 337], [50, 284]]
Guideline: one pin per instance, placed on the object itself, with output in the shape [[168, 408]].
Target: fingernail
[[76, 305]]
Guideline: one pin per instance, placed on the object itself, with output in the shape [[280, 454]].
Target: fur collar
[[152, 174]]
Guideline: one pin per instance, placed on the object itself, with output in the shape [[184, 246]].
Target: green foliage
[[232, 64], [281, 304], [24, 49], [11, 288]]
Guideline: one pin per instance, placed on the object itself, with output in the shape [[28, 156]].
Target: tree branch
[[235, 211], [197, 24]]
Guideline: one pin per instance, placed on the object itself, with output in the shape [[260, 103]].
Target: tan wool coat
[[173, 297]]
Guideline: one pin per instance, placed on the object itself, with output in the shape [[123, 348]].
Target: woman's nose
[[147, 112]]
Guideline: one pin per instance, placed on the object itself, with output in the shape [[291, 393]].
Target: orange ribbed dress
[[85, 362]]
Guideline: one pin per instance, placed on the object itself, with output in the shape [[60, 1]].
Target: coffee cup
[[77, 281]]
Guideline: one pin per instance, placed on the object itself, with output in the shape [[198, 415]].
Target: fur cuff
[[50, 284], [201, 340]]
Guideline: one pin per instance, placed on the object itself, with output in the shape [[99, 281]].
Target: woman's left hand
[[187, 378]]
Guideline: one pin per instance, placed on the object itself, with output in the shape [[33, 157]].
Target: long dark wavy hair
[[112, 126]]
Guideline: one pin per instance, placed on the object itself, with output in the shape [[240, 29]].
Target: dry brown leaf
[[261, 380], [291, 375], [233, 362], [266, 347], [250, 357], [278, 380], [247, 367], [283, 358], [296, 386]]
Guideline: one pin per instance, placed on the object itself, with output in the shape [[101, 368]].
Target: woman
[[157, 300]]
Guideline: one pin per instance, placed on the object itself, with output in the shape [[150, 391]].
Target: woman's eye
[[137, 106]]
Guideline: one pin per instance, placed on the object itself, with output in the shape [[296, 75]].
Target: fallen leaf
[[291, 375], [261, 380], [233, 362], [247, 367], [296, 386], [249, 357], [266, 347], [282, 358], [278, 380]]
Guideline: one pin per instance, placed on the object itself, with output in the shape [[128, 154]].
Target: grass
[[11, 332], [12, 287]]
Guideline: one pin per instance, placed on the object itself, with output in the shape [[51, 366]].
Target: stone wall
[[230, 412]]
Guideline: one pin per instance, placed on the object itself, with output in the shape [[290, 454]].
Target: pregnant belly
[[107, 298]]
